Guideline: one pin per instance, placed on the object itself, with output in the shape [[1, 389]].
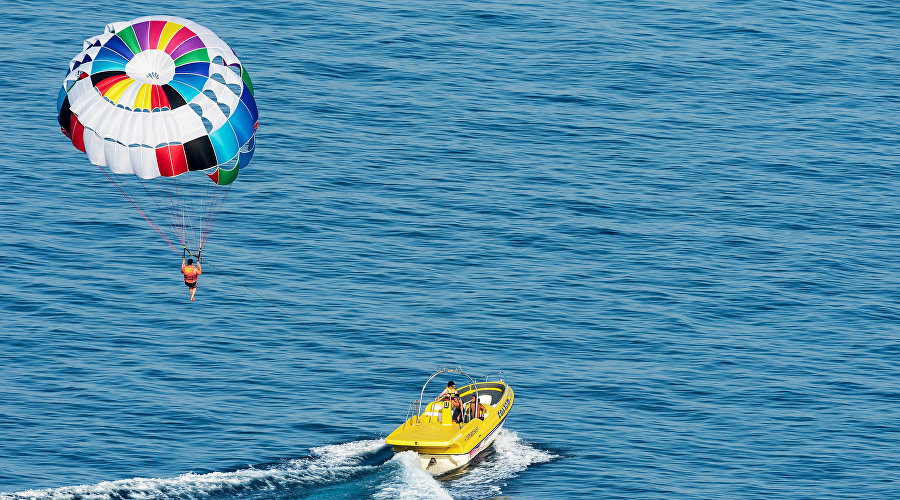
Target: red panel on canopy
[[106, 83], [77, 133], [158, 98], [171, 160]]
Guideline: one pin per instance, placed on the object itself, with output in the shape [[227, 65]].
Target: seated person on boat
[[471, 408]]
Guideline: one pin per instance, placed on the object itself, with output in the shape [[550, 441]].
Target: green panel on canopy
[[246, 77], [199, 55], [127, 36], [227, 176]]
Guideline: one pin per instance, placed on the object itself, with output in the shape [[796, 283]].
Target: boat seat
[[434, 409]]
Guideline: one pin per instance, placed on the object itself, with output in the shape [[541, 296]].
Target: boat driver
[[448, 393]]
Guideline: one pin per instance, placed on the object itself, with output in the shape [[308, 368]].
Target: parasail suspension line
[[137, 207]]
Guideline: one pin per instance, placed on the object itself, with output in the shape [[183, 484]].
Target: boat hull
[[439, 464]]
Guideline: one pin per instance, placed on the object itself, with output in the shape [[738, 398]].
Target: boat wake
[[358, 469], [509, 456]]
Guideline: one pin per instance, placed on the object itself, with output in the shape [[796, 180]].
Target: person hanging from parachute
[[191, 272], [154, 102]]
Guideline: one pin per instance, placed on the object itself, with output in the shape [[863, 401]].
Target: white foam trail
[[413, 483], [326, 464], [345, 453], [511, 456], [403, 479], [189, 484]]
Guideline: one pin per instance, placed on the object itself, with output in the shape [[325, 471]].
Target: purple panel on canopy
[[142, 33], [190, 44]]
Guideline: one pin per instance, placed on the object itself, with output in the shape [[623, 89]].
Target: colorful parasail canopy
[[154, 102]]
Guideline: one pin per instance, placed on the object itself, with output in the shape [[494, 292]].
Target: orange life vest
[[190, 273]]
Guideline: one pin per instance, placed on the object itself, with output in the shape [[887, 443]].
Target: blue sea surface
[[671, 224]]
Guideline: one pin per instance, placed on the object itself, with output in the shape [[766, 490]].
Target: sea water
[[671, 224]]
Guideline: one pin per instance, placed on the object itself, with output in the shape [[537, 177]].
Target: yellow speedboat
[[445, 445]]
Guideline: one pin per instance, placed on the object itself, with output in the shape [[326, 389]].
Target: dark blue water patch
[[670, 226]]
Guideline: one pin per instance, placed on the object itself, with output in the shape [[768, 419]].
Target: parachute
[[165, 109]]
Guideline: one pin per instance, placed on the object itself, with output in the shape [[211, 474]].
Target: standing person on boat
[[191, 273], [449, 392]]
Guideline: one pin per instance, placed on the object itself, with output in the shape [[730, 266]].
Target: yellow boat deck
[[434, 428]]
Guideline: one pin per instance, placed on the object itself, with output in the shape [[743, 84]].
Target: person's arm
[[199, 269]]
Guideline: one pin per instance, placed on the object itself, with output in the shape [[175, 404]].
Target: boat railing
[[412, 413]]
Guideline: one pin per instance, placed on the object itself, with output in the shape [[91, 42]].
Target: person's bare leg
[[193, 291]]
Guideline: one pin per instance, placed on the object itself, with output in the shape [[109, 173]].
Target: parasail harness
[[185, 252]]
